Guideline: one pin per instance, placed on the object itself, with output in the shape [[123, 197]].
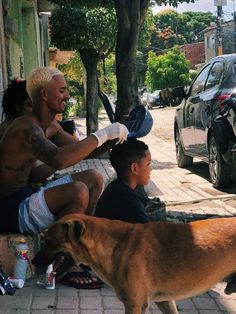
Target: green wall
[[25, 51]]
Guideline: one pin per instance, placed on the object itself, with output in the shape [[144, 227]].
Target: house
[[23, 38], [56, 56], [228, 35], [194, 52]]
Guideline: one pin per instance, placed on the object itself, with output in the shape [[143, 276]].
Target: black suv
[[197, 131]]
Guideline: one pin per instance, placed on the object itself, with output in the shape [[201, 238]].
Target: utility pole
[[219, 33], [234, 31]]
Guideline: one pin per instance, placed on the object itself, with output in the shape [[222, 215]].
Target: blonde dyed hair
[[39, 78]]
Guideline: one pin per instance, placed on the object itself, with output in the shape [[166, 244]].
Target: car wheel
[[219, 170], [182, 159]]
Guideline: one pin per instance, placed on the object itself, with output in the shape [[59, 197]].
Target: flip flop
[[85, 267], [230, 287], [67, 280]]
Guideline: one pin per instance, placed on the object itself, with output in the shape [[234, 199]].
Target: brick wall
[[195, 53]]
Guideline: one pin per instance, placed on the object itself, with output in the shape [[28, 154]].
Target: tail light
[[221, 98]]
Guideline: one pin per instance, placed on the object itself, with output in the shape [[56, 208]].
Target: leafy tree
[[130, 17], [74, 74], [144, 45], [91, 33], [108, 78], [168, 70], [196, 22], [108, 75], [170, 28], [175, 28]]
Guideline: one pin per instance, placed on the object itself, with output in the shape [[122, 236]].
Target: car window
[[199, 82], [214, 75], [231, 77], [234, 73]]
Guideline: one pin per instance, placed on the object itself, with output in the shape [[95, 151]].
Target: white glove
[[115, 130]]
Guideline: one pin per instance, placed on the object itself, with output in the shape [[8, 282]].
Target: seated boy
[[132, 163]]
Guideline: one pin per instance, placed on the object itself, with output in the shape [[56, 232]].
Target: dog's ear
[[75, 230]]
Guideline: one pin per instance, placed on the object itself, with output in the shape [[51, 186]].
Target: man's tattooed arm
[[57, 157], [42, 148]]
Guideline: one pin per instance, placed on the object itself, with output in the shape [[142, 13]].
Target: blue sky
[[203, 5]]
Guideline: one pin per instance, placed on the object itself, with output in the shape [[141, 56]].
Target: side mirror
[[179, 92]]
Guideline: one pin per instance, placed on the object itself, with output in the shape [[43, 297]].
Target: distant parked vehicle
[[154, 100], [144, 98], [198, 131]]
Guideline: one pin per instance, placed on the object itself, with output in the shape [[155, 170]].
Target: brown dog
[[157, 261]]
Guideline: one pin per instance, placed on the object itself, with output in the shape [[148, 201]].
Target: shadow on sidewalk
[[162, 165], [183, 217]]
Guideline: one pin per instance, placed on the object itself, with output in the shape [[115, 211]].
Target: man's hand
[[111, 132]]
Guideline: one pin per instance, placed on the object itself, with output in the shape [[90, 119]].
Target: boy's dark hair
[[123, 155], [13, 99]]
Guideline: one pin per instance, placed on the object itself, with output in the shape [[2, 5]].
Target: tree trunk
[[90, 60], [130, 16]]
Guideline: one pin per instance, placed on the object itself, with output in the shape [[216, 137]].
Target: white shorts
[[34, 214]]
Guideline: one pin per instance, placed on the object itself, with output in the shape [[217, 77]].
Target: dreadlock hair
[[123, 155], [13, 98]]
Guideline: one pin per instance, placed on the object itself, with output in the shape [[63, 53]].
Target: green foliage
[[70, 110], [109, 3], [144, 43], [168, 70], [74, 74], [173, 3], [176, 28], [196, 22], [108, 79], [169, 29], [145, 31], [76, 28], [192, 75], [91, 4]]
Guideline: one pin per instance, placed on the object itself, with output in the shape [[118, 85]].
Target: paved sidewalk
[[188, 196]]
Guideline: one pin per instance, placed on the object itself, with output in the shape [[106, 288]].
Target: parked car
[[197, 132], [144, 98], [154, 100]]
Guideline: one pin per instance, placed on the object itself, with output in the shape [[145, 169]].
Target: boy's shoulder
[[118, 184], [118, 188]]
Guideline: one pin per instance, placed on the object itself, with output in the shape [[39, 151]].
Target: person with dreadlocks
[[16, 102]]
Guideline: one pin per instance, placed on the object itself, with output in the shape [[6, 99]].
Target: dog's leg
[[167, 307], [135, 308]]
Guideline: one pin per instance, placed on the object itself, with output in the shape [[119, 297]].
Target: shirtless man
[[25, 141], [16, 103]]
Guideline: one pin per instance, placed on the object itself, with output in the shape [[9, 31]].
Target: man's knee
[[91, 177], [97, 178], [79, 193]]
